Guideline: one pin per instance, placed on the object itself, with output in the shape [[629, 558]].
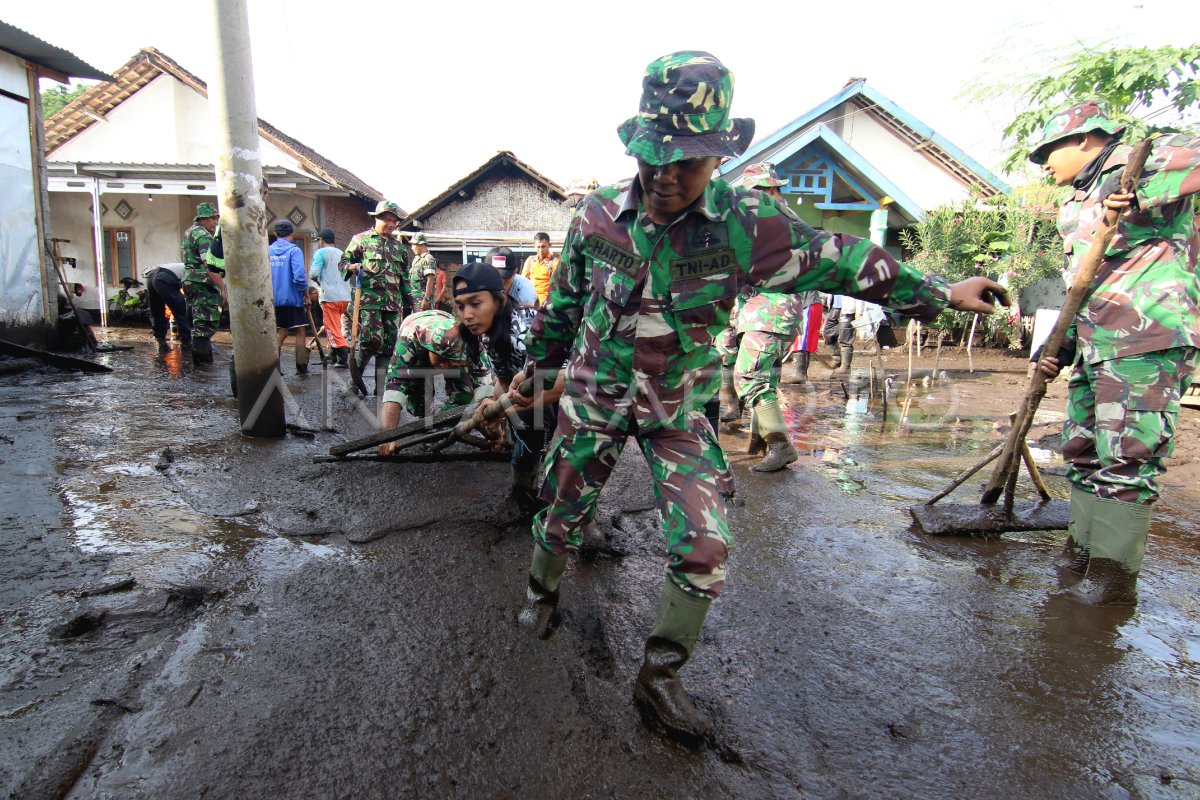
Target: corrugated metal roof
[[31, 48]]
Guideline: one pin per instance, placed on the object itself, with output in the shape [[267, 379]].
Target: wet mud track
[[184, 613]]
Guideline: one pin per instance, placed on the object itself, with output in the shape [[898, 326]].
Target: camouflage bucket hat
[[443, 339], [387, 207], [761, 176], [419, 238], [205, 210], [1079, 118], [684, 112]]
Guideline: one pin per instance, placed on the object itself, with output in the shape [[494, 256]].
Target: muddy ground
[[185, 612]]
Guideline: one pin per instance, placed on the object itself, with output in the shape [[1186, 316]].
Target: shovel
[[985, 519], [437, 432]]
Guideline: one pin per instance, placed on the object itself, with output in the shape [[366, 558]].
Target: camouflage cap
[[419, 238], [1075, 119], [684, 112], [387, 207], [205, 210], [761, 176], [441, 337]]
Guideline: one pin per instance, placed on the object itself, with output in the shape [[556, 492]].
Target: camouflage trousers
[[1121, 421], [377, 328], [756, 373], [692, 484], [727, 347], [204, 303]]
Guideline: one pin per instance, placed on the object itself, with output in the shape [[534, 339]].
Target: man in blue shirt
[[290, 283], [518, 288]]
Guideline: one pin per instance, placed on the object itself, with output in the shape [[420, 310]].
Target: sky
[[412, 97]]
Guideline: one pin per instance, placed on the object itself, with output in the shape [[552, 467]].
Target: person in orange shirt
[[539, 268]]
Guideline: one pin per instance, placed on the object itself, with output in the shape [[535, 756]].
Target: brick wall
[[346, 216]]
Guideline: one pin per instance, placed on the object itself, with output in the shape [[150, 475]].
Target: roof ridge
[[74, 118]]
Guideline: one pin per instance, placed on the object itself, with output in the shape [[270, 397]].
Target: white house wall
[[165, 122], [926, 183], [20, 272], [157, 228]]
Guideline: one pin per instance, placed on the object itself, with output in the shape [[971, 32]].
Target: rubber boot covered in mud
[[730, 410], [659, 692], [202, 352], [522, 501], [1116, 549], [797, 369], [358, 361], [835, 360], [540, 613], [773, 430], [843, 363], [163, 346], [1074, 556], [303, 354]]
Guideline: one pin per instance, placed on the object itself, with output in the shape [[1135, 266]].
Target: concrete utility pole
[[244, 224]]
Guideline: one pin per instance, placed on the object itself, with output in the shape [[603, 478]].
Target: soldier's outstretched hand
[[977, 294]]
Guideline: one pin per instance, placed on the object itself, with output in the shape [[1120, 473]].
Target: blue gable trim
[[836, 145], [751, 155], [929, 133], [754, 153]]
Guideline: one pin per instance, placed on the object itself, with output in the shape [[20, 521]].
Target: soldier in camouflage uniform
[[422, 275], [386, 295], [648, 275], [1134, 344], [766, 325], [203, 283], [429, 341]]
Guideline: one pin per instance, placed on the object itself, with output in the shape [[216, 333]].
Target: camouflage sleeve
[[787, 257], [549, 341], [429, 267], [1173, 171], [353, 254]]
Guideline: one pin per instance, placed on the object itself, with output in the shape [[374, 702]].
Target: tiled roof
[[82, 112]]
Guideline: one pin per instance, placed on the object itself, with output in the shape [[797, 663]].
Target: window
[[120, 256]]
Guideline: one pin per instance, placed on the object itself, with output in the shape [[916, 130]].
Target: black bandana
[[1089, 173]]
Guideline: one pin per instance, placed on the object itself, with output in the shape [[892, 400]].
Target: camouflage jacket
[[1146, 295], [764, 310], [193, 251], [384, 270], [422, 267], [636, 305], [411, 366]]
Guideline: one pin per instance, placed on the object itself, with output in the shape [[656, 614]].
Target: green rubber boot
[[1074, 555], [659, 692], [541, 609], [202, 352], [1116, 548], [778, 447]]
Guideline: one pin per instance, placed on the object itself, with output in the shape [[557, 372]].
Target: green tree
[[1010, 238], [1150, 89], [56, 97]]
